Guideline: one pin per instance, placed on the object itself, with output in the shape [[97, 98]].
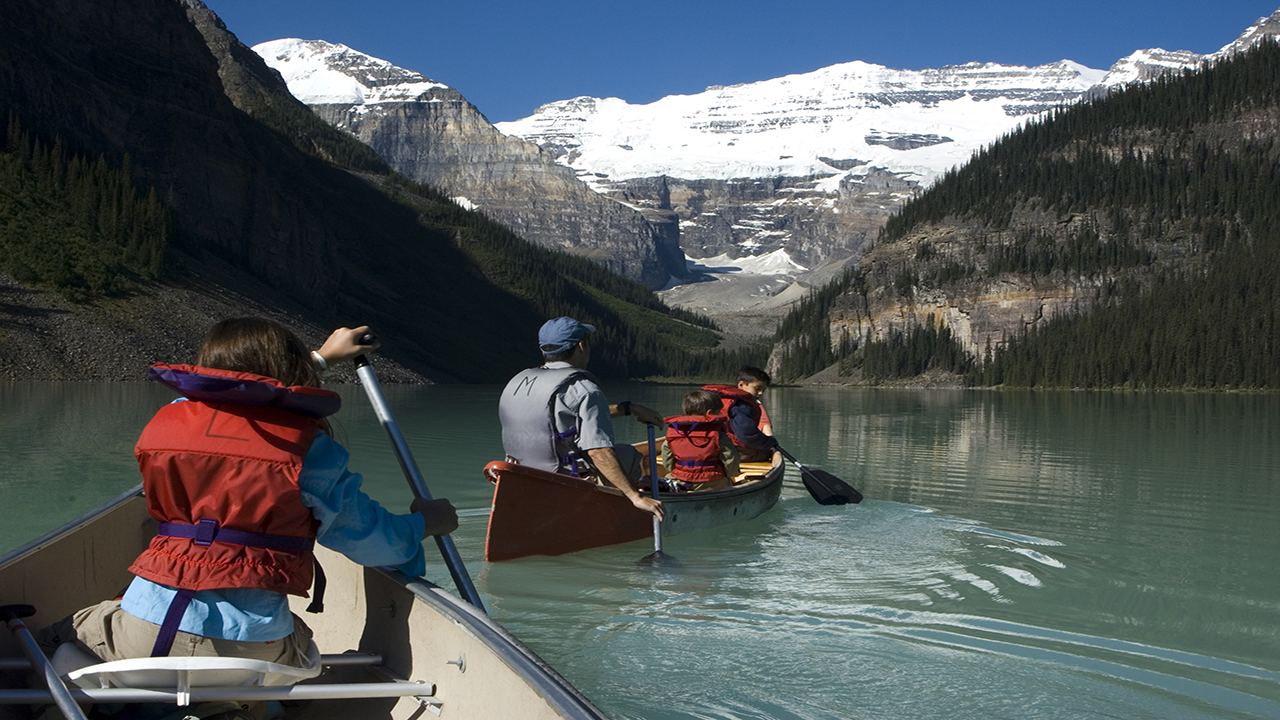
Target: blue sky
[[509, 57]]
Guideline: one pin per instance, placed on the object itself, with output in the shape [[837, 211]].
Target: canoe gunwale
[[558, 692], [71, 527]]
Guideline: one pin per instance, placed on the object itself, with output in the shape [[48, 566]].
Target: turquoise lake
[[1019, 555]]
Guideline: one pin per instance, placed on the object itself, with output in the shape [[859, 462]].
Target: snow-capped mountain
[[792, 173], [429, 132], [323, 73], [857, 114]]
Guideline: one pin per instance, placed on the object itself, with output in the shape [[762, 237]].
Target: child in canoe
[[244, 477], [698, 454], [749, 425]]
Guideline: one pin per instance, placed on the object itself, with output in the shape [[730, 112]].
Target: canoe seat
[[188, 680], [179, 673]]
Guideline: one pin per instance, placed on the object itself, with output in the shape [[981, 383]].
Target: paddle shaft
[[653, 484], [57, 689], [411, 473]]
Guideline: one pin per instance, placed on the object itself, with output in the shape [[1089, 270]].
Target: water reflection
[[1042, 555]]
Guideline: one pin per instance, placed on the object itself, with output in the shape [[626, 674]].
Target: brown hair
[[700, 402], [260, 346]]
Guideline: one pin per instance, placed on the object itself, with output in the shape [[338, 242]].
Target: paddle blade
[[827, 489], [659, 559]]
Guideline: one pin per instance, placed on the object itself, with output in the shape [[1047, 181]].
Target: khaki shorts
[[113, 634]]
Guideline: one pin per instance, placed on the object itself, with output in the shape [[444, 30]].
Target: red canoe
[[536, 512]]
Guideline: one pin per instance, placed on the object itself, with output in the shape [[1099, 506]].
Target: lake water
[[1019, 554]]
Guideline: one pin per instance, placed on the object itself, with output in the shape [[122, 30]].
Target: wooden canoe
[[536, 512], [479, 670]]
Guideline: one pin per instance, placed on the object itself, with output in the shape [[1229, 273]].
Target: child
[[244, 477], [698, 454], [749, 425]]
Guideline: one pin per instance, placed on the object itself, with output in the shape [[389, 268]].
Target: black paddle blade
[[828, 489]]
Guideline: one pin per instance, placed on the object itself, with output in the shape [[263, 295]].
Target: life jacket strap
[[172, 618], [206, 532], [697, 463]]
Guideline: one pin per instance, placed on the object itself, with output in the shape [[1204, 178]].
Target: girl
[[243, 475]]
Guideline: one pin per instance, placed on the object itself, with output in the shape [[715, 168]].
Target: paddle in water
[[825, 488], [657, 557]]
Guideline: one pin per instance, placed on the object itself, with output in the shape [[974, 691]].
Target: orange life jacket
[[695, 444], [213, 466], [731, 394]]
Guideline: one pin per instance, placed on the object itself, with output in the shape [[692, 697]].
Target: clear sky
[[510, 56]]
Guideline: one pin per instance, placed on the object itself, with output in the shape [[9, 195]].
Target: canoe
[[461, 662], [536, 512]]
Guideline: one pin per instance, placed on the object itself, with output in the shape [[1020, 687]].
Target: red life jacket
[[730, 394], [695, 444], [228, 460]]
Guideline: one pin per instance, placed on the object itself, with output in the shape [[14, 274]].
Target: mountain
[[1128, 240], [807, 168], [427, 131], [805, 165], [155, 175]]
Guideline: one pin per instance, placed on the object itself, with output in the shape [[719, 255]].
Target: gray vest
[[527, 412]]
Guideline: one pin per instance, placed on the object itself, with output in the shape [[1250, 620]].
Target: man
[[556, 418]]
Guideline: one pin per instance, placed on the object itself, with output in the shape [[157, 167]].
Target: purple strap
[[697, 463], [207, 532], [570, 461], [172, 618]]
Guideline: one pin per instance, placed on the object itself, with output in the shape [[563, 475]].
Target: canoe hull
[[542, 513], [417, 627]]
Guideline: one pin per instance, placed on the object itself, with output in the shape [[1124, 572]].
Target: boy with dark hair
[[698, 454], [749, 425]]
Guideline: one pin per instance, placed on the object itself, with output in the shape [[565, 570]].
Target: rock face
[[429, 132]]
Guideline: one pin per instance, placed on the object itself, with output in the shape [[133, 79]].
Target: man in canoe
[[244, 477], [556, 418], [749, 424]]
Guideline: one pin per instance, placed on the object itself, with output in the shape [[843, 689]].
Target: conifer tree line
[[76, 224], [81, 226], [1165, 195]]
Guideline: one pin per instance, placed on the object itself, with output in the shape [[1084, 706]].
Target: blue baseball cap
[[561, 334]]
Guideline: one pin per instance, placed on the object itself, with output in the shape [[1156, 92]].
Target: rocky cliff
[[429, 132]]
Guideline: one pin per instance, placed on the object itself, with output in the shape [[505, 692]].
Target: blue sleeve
[[745, 429], [351, 522]]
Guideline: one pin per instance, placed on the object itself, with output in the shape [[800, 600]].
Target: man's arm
[[606, 461]]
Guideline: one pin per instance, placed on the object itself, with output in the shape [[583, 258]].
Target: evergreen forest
[[1164, 197], [82, 227]]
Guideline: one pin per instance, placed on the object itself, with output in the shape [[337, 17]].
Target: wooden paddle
[[826, 488], [411, 473], [657, 556]]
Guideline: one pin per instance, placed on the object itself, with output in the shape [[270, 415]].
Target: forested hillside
[[1151, 215], [132, 158]]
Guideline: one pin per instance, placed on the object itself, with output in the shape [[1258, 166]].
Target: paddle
[[826, 488], [411, 473], [12, 616], [657, 556]]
